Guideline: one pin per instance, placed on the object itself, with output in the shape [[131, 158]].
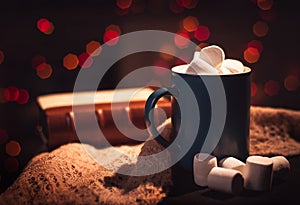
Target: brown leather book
[[58, 117]]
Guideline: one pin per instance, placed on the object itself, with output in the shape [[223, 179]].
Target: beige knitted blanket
[[69, 175]]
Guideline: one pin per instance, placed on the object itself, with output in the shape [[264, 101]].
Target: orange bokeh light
[[23, 96], [93, 48], [251, 55], [291, 83], [265, 4], [13, 148], [124, 4], [181, 39], [70, 61], [1, 57], [44, 70], [111, 37], [167, 48], [260, 28], [85, 60], [202, 33], [271, 88], [190, 23], [11, 93]]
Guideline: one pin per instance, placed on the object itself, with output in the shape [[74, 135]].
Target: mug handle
[[149, 116]]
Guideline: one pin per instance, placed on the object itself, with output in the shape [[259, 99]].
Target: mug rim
[[247, 70]]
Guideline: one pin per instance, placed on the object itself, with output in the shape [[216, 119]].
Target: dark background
[[78, 22]]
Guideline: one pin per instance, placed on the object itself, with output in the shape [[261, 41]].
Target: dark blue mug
[[210, 113]]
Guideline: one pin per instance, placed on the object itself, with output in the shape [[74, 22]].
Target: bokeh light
[[111, 37], [37, 60], [175, 8], [202, 33], [265, 4], [50, 30], [44, 70], [124, 4], [190, 23], [291, 83], [1, 56], [260, 28], [85, 60], [253, 89], [251, 55], [43, 24], [13, 148], [161, 67], [11, 164], [11, 93], [181, 39], [70, 61], [167, 48], [93, 48], [23, 97], [256, 44], [189, 4], [3, 136], [271, 88], [114, 27]]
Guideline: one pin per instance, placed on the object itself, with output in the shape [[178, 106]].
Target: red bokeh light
[[124, 4], [256, 44], [181, 39], [23, 96], [271, 87], [85, 60], [175, 8], [111, 37], [11, 93], [43, 25], [37, 60], [253, 89], [44, 70], [202, 33]]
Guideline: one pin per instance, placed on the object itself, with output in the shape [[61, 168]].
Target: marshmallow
[[211, 61], [200, 66], [203, 163], [232, 66], [258, 173], [281, 168], [225, 180], [232, 163], [213, 55]]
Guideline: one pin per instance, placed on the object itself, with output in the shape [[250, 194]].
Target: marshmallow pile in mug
[[211, 61]]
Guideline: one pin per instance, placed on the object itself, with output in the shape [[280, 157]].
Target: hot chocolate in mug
[[210, 113]]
